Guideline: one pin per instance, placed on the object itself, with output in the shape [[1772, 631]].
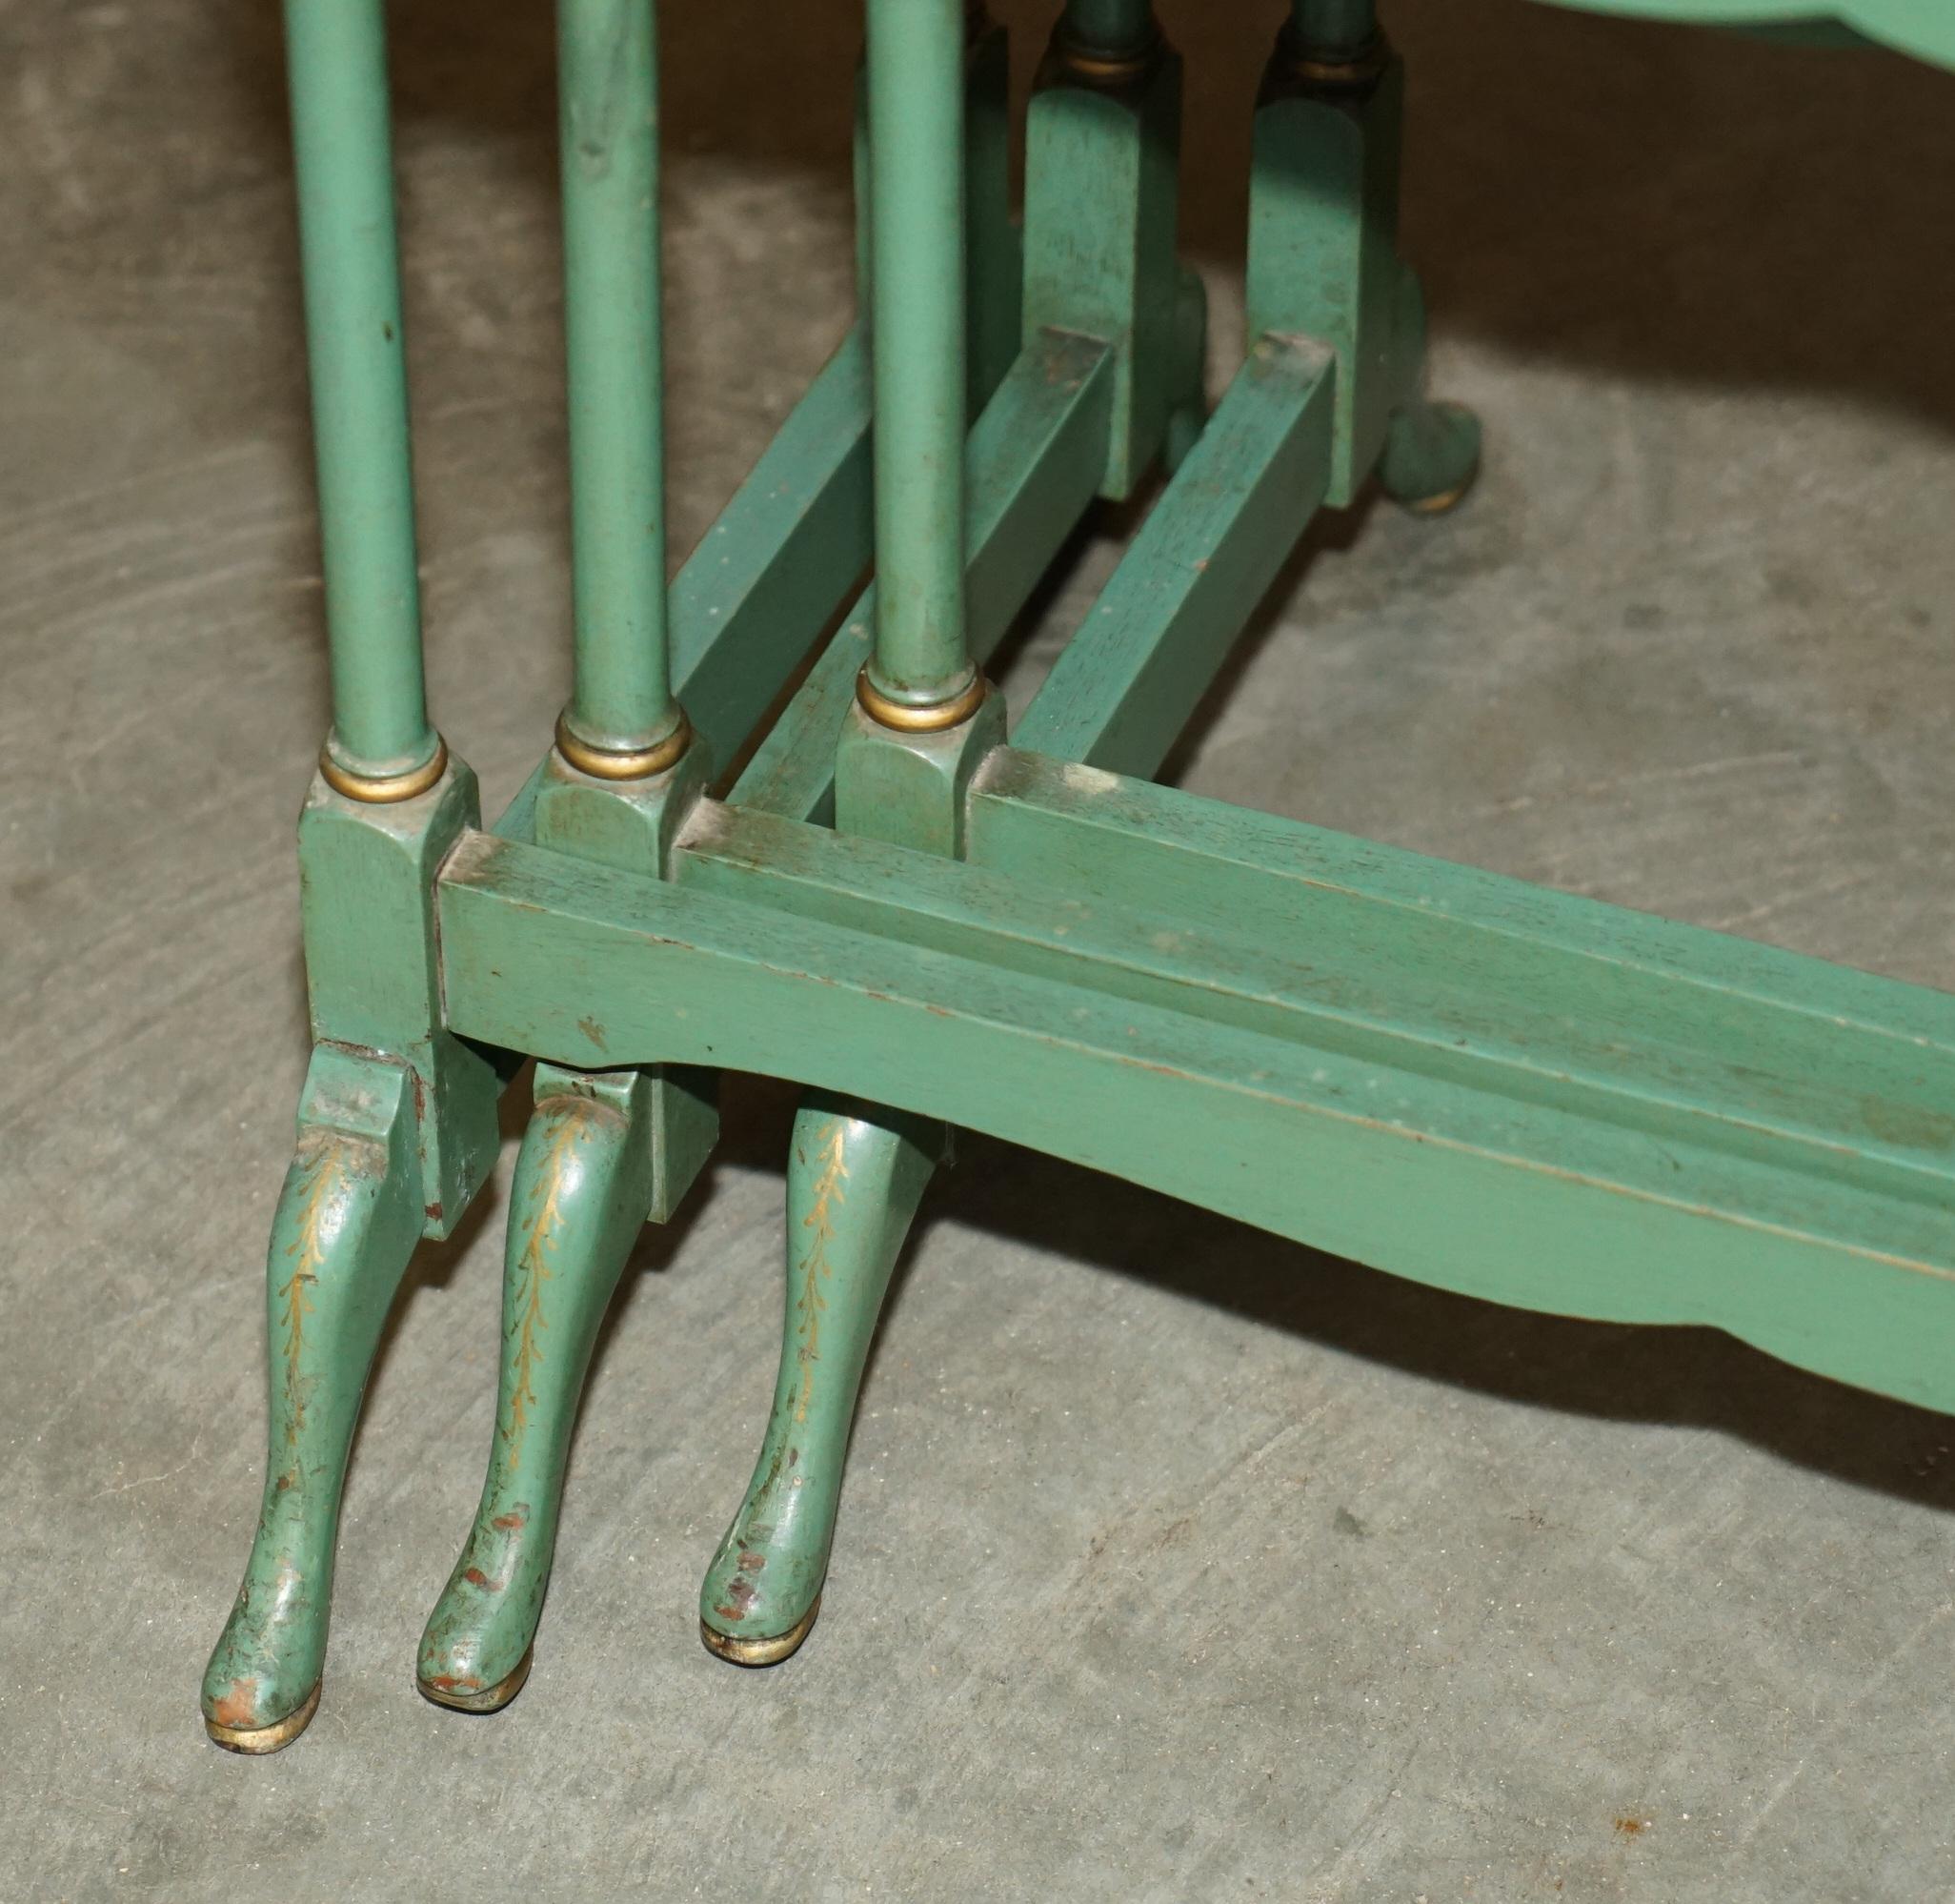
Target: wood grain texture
[[1624, 1194]]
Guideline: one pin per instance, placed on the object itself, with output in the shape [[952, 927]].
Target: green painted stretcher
[[928, 919]]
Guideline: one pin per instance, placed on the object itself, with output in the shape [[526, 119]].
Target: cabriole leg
[[583, 1185], [347, 1223], [854, 1177]]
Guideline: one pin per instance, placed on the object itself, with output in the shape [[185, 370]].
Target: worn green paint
[[1431, 450], [1323, 258], [1541, 1004], [1101, 206], [608, 127], [583, 1182], [769, 575], [632, 826], [918, 267], [1324, 264], [347, 1223], [343, 154], [372, 970], [847, 1214], [571, 816], [911, 789], [604, 1151], [1495, 1089], [1147, 650], [854, 1177], [397, 1132], [780, 562], [1625, 1195], [628, 823], [1035, 461], [1562, 995], [850, 1206]]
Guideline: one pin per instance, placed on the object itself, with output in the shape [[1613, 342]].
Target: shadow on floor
[[1693, 1378], [1666, 203]]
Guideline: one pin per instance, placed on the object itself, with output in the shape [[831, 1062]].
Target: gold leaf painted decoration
[[527, 1319], [307, 1248], [815, 1265]]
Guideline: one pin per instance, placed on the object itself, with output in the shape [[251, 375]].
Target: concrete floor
[[1178, 1562]]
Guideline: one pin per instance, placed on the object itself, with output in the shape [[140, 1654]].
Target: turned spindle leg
[[583, 1185], [854, 1177], [347, 1223]]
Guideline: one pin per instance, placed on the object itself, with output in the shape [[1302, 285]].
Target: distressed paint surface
[[603, 1151], [915, 81], [1034, 460], [1615, 1196], [347, 1221], [854, 1177], [356, 352], [1101, 165], [606, 62], [372, 969], [912, 789], [1148, 649], [583, 1186], [779, 561], [1133, 984], [1324, 246]]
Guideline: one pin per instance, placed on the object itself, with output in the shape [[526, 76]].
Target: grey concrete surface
[[1178, 1563]]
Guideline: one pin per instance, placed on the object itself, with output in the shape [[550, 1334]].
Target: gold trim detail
[[1347, 72], [1106, 69], [1438, 505], [906, 718], [259, 1739], [1447, 499], [493, 1698], [638, 763], [383, 790], [761, 1651]]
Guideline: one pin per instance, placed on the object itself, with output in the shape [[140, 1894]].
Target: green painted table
[[929, 922]]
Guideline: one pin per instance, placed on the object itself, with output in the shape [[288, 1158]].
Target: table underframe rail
[[1487, 1086]]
